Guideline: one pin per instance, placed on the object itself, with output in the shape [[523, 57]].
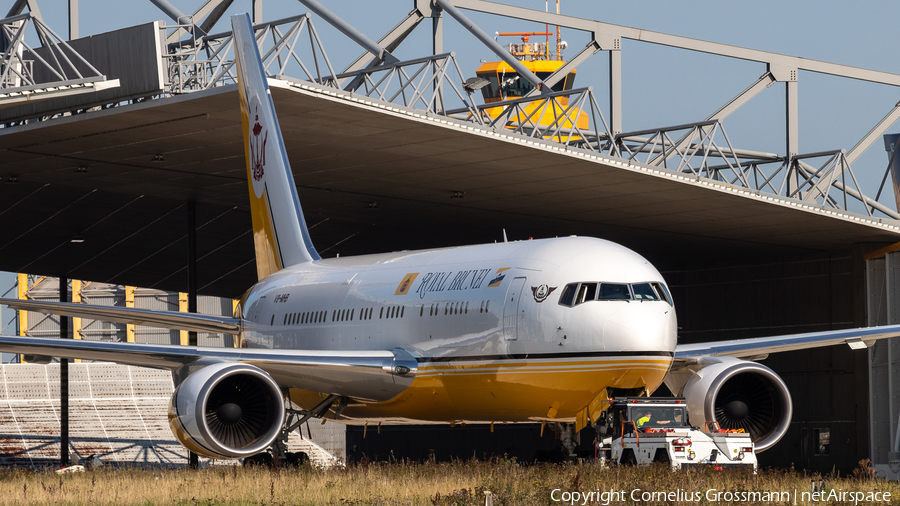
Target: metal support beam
[[211, 12], [257, 11], [77, 286], [792, 134], [64, 379], [173, 12], [874, 134], [734, 104], [808, 170], [590, 50], [73, 19], [486, 39], [390, 41], [360, 38], [192, 265], [129, 302], [193, 458], [665, 39], [19, 6], [615, 92], [754, 89], [437, 47]]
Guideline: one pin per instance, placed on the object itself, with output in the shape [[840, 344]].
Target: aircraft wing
[[757, 348], [373, 375], [148, 317]]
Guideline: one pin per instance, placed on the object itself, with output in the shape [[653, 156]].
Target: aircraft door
[[511, 309], [255, 308]]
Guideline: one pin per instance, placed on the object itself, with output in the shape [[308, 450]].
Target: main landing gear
[[278, 454]]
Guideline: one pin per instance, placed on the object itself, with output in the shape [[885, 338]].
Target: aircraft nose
[[641, 326]]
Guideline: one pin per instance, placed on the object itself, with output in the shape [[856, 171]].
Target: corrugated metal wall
[[883, 291], [104, 294]]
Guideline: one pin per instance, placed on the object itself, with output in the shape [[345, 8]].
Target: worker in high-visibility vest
[[644, 419]]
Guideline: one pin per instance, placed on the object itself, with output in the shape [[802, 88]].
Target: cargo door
[[511, 309]]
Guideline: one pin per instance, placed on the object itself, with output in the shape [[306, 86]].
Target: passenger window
[[352, 313], [614, 291], [663, 292], [568, 294], [643, 291], [402, 310], [586, 292], [487, 305], [467, 308], [381, 313]]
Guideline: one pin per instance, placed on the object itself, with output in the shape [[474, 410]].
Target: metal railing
[[200, 63], [421, 83], [570, 117], [17, 73], [692, 150]]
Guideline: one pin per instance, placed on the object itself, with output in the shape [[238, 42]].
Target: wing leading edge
[[370, 375], [686, 354], [148, 317]]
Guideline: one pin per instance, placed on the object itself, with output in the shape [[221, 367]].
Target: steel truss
[[203, 62], [701, 148], [419, 84], [17, 74]]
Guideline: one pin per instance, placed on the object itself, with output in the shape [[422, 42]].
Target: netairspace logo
[[638, 496]]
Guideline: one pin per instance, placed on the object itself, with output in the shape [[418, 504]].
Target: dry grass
[[457, 483]]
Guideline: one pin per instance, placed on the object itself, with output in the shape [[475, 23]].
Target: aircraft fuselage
[[484, 323]]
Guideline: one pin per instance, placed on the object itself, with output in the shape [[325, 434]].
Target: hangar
[[105, 185]]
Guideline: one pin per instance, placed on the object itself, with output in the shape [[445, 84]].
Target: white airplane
[[543, 330]]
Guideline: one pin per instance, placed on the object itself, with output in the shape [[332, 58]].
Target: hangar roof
[[370, 179]]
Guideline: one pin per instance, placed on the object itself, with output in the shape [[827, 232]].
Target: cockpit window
[[643, 291], [578, 293], [614, 291], [568, 294], [586, 292], [663, 292]]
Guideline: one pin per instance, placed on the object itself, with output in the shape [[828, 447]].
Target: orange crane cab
[[506, 84]]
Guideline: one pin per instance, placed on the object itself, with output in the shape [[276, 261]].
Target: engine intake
[[227, 410], [741, 395]]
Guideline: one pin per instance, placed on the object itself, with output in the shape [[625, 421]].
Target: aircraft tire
[[296, 459], [263, 459]]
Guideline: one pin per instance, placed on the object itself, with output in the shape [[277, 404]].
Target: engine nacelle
[[740, 395], [227, 410]]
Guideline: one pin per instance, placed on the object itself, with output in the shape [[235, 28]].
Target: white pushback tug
[[644, 430]]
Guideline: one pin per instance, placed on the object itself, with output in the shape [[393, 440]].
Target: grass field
[[458, 483]]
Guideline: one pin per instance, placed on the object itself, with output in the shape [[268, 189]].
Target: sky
[[661, 86]]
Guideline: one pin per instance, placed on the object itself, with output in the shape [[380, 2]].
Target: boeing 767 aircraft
[[543, 330]]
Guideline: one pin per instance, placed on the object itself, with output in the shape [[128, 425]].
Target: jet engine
[[227, 410], [740, 395]]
